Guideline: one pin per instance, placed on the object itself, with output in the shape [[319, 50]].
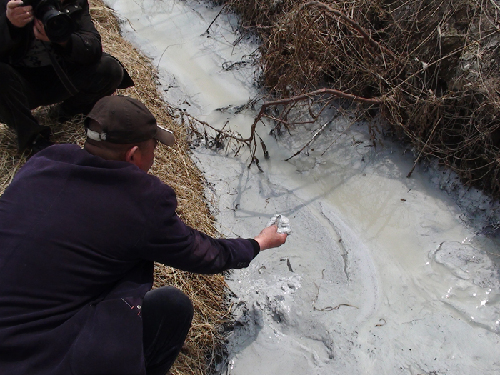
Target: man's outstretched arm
[[171, 242]]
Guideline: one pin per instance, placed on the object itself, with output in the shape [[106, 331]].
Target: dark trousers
[[23, 89], [166, 315]]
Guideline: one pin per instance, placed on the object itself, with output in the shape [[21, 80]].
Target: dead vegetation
[[173, 166], [429, 68]]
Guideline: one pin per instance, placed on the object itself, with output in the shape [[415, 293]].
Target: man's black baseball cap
[[124, 120]]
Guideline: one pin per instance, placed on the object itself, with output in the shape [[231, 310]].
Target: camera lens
[[58, 26]]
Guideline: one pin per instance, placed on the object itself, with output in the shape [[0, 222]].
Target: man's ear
[[133, 155]]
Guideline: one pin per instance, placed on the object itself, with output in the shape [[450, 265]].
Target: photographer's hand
[[39, 30], [17, 14]]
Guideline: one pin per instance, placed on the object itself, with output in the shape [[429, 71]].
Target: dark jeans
[[166, 315], [23, 89]]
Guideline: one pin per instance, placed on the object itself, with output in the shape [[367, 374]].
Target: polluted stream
[[382, 274]]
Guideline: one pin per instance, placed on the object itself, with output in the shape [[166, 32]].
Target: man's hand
[[39, 31], [19, 15], [269, 238]]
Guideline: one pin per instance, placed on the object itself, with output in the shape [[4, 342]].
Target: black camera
[[58, 20]]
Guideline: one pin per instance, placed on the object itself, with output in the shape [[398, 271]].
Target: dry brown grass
[[173, 166]]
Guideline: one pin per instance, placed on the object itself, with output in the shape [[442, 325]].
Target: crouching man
[[79, 232], [50, 52]]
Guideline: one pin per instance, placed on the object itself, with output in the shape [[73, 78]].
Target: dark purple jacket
[[78, 237]]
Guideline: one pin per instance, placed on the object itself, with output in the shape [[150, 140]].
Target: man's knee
[[170, 300], [110, 68], [184, 303], [101, 78]]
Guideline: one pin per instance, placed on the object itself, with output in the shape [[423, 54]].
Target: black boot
[[40, 142]]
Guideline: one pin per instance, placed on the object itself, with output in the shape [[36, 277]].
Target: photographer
[[39, 66]]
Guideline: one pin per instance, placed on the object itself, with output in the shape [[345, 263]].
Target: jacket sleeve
[[11, 37], [84, 46], [175, 244]]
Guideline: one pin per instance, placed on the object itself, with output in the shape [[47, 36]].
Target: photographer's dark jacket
[[78, 237], [83, 48]]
